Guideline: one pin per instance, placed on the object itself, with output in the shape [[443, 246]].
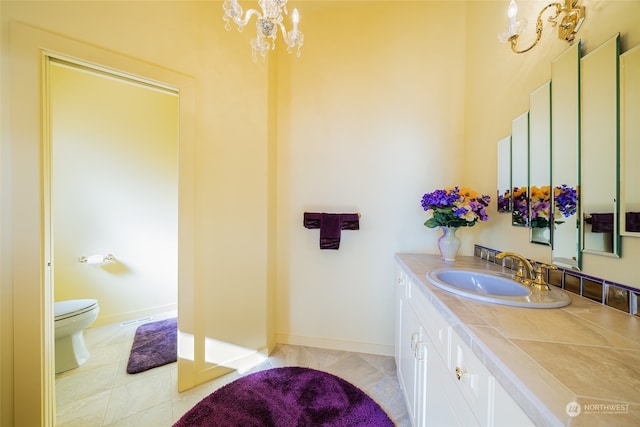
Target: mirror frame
[[599, 150], [540, 165], [504, 175], [520, 171], [629, 142], [565, 153]]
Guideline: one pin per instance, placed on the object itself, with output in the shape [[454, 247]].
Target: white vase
[[448, 243]]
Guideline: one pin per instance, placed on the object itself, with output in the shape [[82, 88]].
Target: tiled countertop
[[546, 359]]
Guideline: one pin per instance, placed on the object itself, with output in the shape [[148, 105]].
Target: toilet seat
[[66, 309]]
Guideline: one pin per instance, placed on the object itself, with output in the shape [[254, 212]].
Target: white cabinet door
[[408, 364], [444, 406], [401, 296], [473, 379], [436, 326]]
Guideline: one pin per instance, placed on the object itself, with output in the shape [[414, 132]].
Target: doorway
[[113, 191], [29, 231]]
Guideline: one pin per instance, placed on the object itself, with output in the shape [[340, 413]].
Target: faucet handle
[[540, 282], [520, 276]]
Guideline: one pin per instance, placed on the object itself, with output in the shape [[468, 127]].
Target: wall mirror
[[504, 174], [630, 142], [565, 125], [599, 185], [519, 170], [540, 165]]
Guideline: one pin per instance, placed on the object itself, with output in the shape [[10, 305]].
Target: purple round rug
[[284, 397]]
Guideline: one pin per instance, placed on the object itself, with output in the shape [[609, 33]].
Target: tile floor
[[101, 393]]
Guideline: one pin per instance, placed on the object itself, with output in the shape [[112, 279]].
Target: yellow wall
[[114, 191], [370, 118]]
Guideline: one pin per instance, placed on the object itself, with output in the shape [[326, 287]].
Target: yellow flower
[[519, 191], [468, 193], [541, 193]]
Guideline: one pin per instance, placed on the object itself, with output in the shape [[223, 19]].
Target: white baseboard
[[332, 344], [132, 315]]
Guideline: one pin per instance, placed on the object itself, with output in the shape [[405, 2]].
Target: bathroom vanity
[[470, 363]]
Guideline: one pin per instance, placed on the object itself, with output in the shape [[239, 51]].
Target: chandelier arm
[[283, 30], [513, 40], [247, 17]]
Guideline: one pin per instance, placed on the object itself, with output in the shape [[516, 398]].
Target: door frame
[[33, 344]]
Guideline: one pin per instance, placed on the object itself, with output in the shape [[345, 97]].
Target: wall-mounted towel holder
[[331, 225], [96, 259]]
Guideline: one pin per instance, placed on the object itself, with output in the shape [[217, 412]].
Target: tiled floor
[[101, 393]]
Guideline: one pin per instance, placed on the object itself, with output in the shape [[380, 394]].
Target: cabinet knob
[[460, 372]]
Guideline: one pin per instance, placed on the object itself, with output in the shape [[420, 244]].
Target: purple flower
[[455, 207], [566, 200]]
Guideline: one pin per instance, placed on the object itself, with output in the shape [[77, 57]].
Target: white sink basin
[[490, 287]]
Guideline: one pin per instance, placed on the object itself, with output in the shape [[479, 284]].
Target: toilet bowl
[[71, 318]]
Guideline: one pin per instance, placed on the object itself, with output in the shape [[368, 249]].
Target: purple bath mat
[[155, 344], [287, 397]]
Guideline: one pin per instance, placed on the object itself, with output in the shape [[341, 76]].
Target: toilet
[[71, 318]]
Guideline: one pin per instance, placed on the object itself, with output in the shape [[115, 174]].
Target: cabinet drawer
[[473, 380], [436, 327]]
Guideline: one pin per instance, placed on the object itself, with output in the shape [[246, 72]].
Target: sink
[[495, 288]]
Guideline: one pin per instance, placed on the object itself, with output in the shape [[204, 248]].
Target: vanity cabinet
[[443, 382]]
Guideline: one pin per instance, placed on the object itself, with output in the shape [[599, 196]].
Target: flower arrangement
[[566, 200], [540, 204], [455, 207], [520, 209], [504, 201]]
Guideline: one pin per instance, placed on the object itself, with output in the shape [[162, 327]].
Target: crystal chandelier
[[267, 25], [569, 25]]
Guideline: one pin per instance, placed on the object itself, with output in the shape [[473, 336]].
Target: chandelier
[[567, 29], [267, 25]]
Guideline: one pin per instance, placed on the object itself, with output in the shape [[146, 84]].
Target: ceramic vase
[[448, 243]]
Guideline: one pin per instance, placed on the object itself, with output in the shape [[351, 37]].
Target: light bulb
[[512, 12], [295, 18]]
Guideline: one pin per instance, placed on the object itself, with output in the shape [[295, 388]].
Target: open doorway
[[113, 183], [29, 233]]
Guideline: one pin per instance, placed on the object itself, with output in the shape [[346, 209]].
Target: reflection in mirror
[[540, 164], [519, 170], [504, 175], [630, 142], [599, 149], [565, 109]]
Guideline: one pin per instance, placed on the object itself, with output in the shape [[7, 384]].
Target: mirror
[[519, 170], [565, 125], [540, 164], [599, 150], [630, 142], [504, 175]]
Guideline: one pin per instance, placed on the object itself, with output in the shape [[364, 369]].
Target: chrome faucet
[[525, 272]]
